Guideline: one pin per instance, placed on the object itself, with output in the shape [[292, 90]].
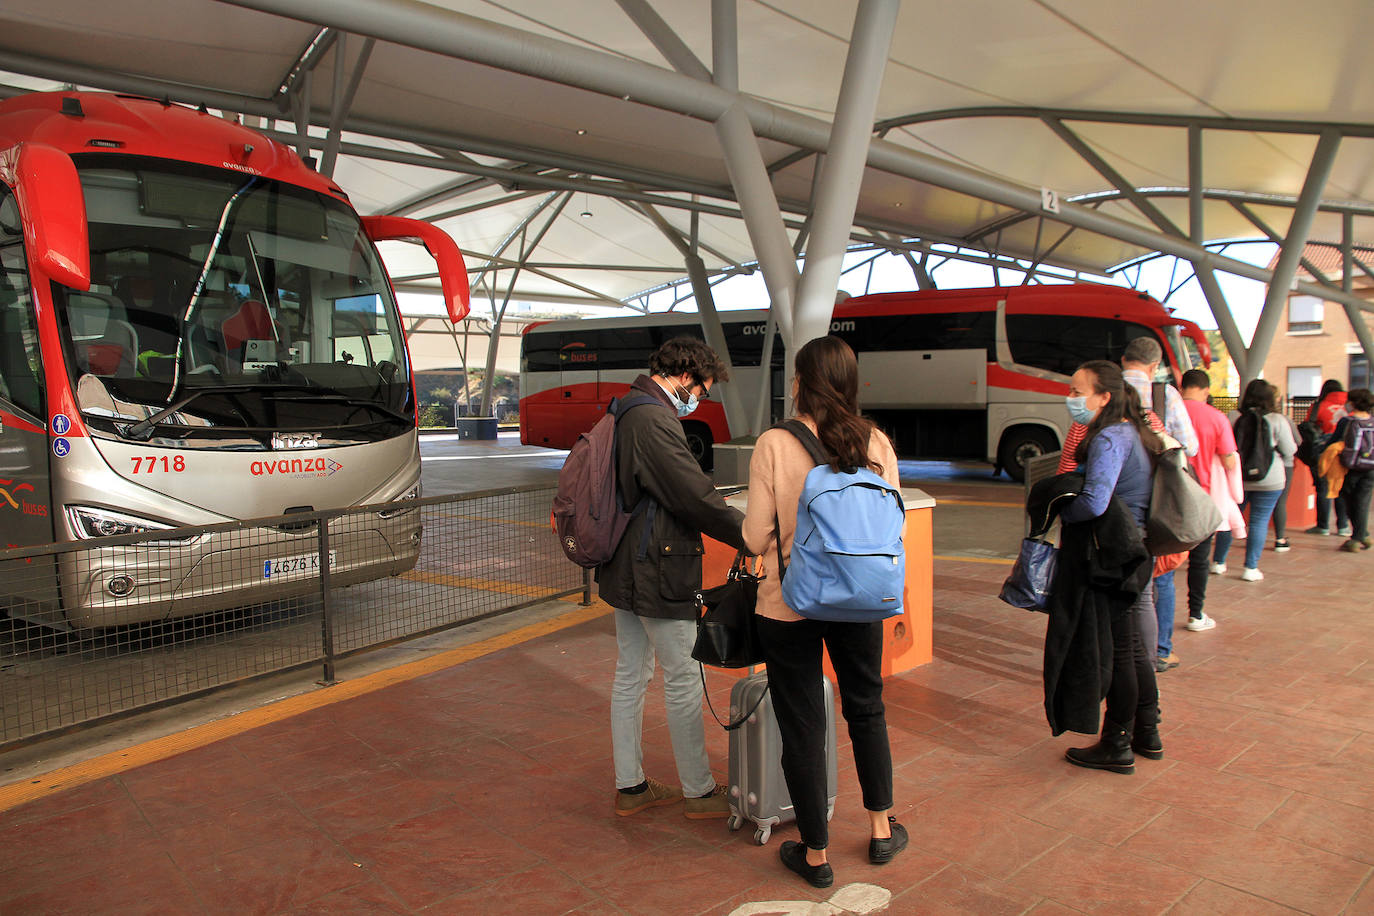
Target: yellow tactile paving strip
[[161, 748]]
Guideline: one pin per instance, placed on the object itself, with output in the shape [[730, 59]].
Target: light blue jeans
[[1262, 503], [639, 640]]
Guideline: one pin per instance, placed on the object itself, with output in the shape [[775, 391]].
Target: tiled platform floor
[[485, 788]]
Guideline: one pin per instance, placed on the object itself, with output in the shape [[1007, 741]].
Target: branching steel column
[[494, 342], [735, 413], [1357, 322], [846, 156], [1286, 268], [343, 99]]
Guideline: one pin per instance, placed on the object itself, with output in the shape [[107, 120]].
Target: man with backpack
[[653, 576], [1356, 432]]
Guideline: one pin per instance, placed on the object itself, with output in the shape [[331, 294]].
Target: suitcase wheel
[[735, 822], [762, 834]]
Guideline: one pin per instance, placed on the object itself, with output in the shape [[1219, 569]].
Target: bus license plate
[[299, 565]]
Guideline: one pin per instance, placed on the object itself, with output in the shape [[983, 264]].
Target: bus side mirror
[[453, 272], [54, 209]]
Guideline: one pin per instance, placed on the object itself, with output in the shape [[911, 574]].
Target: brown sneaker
[[717, 804], [657, 794]]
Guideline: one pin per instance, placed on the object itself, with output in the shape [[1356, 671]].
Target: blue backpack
[[848, 562]]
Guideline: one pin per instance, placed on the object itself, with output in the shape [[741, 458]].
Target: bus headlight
[[412, 493], [89, 522]]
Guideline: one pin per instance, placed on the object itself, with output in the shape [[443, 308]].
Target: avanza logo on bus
[[295, 467]]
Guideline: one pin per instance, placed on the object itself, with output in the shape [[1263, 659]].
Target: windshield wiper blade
[[346, 399], [143, 429]]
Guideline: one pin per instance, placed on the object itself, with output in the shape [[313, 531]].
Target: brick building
[[1315, 341]]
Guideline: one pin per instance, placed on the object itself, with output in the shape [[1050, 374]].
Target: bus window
[[972, 330], [19, 360], [1062, 343]]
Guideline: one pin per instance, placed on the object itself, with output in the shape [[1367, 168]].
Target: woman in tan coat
[[826, 395]]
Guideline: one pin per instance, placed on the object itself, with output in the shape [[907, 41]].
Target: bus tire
[[700, 442], [1022, 443]]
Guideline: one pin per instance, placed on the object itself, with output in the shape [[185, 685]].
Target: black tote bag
[[727, 631]]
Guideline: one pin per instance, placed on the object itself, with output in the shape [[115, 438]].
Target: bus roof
[[101, 122], [1083, 298]]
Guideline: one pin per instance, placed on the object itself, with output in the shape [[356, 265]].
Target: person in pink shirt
[[1216, 443]]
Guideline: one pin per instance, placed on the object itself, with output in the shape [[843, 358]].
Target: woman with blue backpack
[[825, 392]]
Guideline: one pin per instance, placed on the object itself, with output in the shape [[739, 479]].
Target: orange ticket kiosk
[[907, 637]]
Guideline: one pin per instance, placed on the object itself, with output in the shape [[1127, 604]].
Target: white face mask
[[683, 407]]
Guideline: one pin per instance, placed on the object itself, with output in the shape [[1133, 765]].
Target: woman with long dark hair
[[1261, 494], [1115, 458], [825, 391]]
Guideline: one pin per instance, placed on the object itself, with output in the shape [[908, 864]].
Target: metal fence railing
[[102, 627]]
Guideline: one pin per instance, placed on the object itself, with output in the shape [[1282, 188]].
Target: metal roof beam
[[1142, 119]]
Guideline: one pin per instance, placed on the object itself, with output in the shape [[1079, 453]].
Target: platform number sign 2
[[1049, 200]]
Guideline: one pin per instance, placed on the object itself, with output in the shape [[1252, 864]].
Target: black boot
[[1146, 742], [1113, 752]]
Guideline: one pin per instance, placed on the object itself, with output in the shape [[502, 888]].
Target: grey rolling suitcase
[[758, 791]]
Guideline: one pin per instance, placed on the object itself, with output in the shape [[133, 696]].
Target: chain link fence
[[106, 626]]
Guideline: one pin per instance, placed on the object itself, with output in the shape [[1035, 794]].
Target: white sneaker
[[1198, 624], [1218, 569], [1344, 532], [1250, 575]]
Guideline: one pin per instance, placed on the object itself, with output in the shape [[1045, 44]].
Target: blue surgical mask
[[1078, 410], [683, 409]]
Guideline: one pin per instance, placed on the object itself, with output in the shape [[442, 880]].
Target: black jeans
[[1324, 500], [792, 650], [1280, 516], [1133, 696], [1199, 569], [1359, 485]]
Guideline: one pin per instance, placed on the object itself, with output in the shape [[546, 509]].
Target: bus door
[[25, 490]]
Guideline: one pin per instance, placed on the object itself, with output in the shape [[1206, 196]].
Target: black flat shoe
[[793, 855], [882, 851]]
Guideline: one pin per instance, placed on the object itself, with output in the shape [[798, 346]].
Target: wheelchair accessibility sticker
[[61, 447]]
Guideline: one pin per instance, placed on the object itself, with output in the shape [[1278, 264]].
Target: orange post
[[907, 638]]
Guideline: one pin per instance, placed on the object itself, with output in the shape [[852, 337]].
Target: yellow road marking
[[503, 521], [486, 585], [996, 561], [117, 762]]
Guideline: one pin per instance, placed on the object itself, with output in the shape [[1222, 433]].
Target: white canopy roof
[[447, 122]]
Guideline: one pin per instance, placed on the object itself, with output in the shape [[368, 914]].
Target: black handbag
[[727, 631], [1032, 576]]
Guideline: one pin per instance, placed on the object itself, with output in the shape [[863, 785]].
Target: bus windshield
[[250, 306]]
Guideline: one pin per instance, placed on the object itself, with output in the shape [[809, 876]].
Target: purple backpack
[[1358, 454], [587, 512]]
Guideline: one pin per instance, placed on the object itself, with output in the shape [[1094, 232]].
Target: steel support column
[[735, 413], [1357, 321], [494, 342], [1285, 270], [837, 194]]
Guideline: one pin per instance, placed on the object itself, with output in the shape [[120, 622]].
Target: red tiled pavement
[[485, 787]]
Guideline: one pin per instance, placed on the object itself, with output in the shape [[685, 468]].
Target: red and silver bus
[[195, 327], [975, 374]]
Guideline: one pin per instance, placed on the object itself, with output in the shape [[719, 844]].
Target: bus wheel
[[1022, 443], [699, 441]]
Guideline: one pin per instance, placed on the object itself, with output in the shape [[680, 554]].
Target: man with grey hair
[[1139, 363]]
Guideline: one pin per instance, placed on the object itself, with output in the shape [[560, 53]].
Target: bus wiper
[[346, 399], [142, 431]]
